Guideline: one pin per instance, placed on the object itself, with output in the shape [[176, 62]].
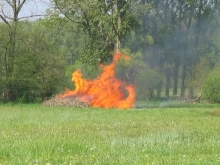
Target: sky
[[31, 7], [35, 7]]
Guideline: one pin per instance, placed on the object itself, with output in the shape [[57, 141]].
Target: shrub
[[137, 72], [211, 88]]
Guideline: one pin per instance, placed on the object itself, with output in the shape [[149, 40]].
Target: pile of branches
[[68, 101]]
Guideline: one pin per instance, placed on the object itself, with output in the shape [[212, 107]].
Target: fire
[[106, 91]]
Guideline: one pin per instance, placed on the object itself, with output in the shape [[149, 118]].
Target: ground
[[37, 134]]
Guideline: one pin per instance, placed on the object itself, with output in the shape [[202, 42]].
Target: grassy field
[[163, 135]]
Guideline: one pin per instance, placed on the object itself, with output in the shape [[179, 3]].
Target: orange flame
[[106, 91]]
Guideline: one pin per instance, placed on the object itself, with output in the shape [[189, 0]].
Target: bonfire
[[106, 91]]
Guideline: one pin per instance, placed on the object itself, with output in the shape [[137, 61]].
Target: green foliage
[[149, 40], [198, 76], [3, 43], [211, 88], [83, 33], [38, 70]]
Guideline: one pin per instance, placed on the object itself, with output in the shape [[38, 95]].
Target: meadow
[[157, 135]]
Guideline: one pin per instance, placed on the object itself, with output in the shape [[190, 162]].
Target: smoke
[[171, 40]]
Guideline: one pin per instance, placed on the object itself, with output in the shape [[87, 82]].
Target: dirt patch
[[68, 101]]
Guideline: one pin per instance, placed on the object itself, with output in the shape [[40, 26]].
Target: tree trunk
[[119, 24], [185, 55], [11, 22], [168, 75], [10, 62], [175, 79], [177, 60], [161, 67], [184, 69], [191, 93], [158, 92]]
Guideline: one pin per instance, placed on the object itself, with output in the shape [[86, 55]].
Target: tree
[[181, 35], [9, 14], [104, 23], [32, 68], [172, 35], [198, 33], [39, 70]]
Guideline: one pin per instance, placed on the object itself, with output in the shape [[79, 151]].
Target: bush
[[137, 72], [146, 82], [211, 88]]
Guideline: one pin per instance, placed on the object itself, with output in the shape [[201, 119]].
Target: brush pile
[[68, 101]]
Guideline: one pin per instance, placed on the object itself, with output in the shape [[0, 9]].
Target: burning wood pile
[[105, 91], [67, 101]]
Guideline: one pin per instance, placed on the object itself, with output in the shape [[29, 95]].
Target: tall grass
[[34, 134]]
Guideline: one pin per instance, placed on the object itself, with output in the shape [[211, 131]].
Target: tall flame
[[106, 91]]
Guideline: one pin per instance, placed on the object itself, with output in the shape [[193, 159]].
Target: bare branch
[[4, 20], [20, 6], [37, 15], [71, 19], [9, 3], [4, 15]]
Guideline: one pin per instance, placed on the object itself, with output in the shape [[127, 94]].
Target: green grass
[[34, 134]]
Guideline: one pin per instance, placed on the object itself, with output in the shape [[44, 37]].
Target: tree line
[[173, 45]]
